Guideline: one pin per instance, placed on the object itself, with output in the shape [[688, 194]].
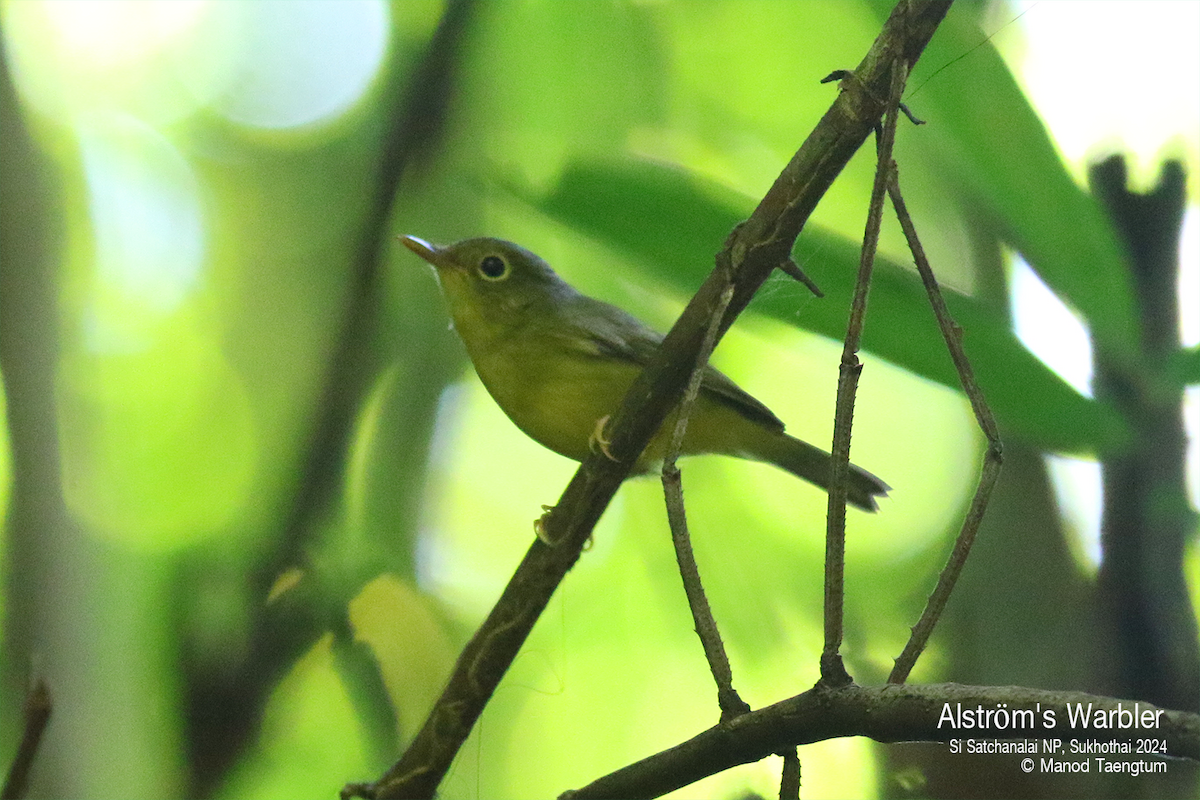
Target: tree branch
[[888, 713], [789, 781]]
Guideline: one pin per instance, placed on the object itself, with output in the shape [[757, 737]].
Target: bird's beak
[[430, 252]]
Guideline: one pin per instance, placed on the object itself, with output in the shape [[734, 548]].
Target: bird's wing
[[598, 329]]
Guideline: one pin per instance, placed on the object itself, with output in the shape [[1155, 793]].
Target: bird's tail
[[813, 465]]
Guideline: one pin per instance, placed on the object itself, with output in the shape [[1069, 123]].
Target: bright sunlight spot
[[1079, 490], [76, 56], [104, 33], [148, 229], [263, 64], [1090, 99], [300, 63], [1189, 317], [1049, 329]]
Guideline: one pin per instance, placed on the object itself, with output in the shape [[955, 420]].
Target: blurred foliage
[[621, 141]]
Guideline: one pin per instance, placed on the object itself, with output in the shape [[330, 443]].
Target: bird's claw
[[539, 526], [598, 441], [539, 530]]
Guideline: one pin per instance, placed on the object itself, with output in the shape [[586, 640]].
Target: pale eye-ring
[[493, 268]]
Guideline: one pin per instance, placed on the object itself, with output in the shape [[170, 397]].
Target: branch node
[[833, 671], [911, 117], [792, 268], [837, 75]]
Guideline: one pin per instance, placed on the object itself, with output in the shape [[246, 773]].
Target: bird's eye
[[493, 268]]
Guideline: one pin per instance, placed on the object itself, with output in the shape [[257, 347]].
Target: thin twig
[[730, 702], [789, 781], [697, 378], [833, 672], [791, 268], [37, 716], [992, 459]]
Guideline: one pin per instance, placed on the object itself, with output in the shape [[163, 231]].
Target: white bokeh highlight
[[147, 228], [1050, 330], [1122, 72], [296, 64]]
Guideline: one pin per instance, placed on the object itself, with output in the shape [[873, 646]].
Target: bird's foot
[[539, 529], [539, 526], [598, 441]]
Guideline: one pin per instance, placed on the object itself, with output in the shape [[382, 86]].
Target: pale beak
[[430, 252]]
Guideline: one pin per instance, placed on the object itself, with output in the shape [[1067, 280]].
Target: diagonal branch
[[751, 253]]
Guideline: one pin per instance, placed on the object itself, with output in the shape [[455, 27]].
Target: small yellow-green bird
[[558, 363]]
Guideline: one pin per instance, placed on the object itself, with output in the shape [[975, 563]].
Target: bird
[[558, 363]]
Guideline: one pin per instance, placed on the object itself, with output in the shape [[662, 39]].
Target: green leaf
[[674, 223], [1185, 366]]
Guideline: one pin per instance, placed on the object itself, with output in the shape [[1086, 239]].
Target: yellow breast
[[554, 396]]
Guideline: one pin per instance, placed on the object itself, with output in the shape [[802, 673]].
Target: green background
[[188, 510]]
